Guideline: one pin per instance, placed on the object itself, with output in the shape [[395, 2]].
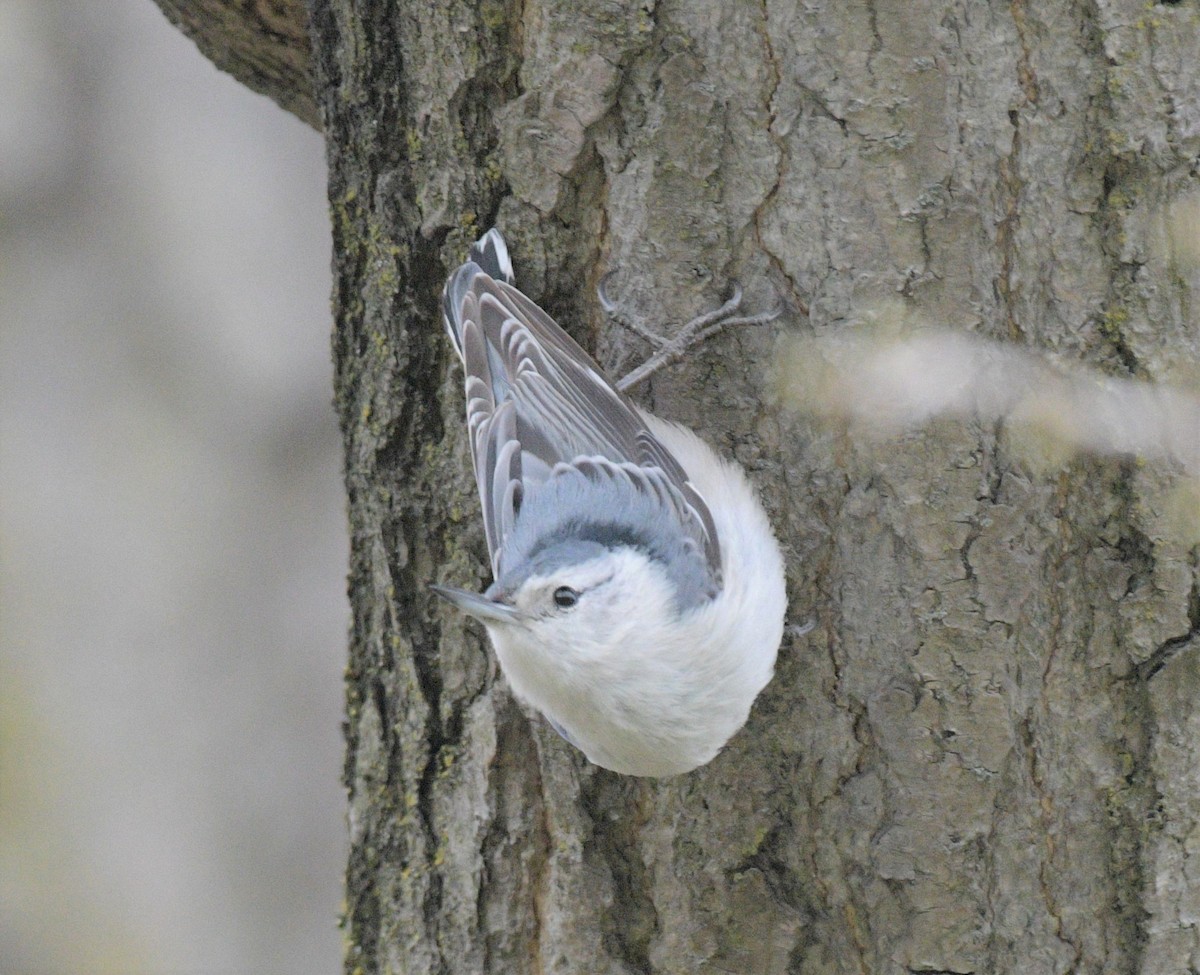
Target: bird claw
[[617, 314], [796, 630], [610, 307], [762, 318]]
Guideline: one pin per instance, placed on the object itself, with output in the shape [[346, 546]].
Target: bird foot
[[699, 329]]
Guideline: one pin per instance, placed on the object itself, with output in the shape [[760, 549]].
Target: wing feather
[[538, 405]]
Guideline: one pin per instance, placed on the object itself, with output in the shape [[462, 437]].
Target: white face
[[600, 603], [561, 591], [600, 649]]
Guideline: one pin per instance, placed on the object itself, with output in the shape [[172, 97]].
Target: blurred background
[[172, 539]]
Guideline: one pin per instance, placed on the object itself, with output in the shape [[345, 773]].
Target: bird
[[638, 593]]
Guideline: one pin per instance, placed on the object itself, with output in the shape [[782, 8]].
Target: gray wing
[[537, 401]]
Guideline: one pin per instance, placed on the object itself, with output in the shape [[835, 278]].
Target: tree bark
[[983, 759], [264, 44]]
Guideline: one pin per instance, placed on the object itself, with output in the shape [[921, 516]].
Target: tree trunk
[[983, 758]]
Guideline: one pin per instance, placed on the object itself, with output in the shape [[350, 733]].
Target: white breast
[[646, 692]]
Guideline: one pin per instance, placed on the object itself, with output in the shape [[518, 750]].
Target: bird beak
[[474, 604]]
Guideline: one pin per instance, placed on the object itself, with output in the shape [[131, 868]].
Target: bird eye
[[565, 597]]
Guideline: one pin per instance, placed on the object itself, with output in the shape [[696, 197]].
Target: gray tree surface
[[983, 758]]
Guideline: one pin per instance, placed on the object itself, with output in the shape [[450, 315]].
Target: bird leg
[[698, 330]]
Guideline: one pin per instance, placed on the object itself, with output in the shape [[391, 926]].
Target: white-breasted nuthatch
[[638, 600]]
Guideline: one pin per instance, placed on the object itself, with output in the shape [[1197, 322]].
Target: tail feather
[[490, 252]]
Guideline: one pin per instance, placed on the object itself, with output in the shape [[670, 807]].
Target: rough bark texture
[[264, 44], [983, 759]]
